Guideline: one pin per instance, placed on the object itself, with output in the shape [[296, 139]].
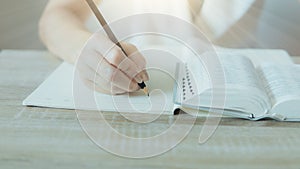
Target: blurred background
[[278, 26]]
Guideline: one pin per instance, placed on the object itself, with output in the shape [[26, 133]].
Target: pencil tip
[[146, 91]]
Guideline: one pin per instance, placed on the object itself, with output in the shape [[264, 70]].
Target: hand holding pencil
[[109, 66]]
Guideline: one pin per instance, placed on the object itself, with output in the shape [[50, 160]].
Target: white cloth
[[213, 17], [216, 17], [114, 10]]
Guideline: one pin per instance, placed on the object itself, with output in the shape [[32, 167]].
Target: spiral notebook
[[171, 87]]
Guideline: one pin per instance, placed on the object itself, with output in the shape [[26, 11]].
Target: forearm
[[63, 32]]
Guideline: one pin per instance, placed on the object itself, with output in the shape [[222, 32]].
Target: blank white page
[[59, 91]]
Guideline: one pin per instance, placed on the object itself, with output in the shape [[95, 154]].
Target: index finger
[[137, 58], [115, 56]]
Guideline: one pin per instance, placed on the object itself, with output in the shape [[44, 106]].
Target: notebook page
[[159, 101], [57, 91]]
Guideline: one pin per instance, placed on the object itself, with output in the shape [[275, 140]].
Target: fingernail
[[138, 79]]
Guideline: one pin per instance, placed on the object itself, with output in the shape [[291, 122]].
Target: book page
[[237, 70], [282, 82], [242, 87], [260, 56], [244, 90]]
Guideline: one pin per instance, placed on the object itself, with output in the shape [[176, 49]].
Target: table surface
[[52, 138]]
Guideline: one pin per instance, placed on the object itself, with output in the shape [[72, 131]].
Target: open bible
[[242, 89]]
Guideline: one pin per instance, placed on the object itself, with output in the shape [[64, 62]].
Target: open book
[[267, 90], [252, 91]]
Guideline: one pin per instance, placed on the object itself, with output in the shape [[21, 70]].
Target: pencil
[[111, 35]]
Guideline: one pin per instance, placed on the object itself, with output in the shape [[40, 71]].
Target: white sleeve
[[216, 17]]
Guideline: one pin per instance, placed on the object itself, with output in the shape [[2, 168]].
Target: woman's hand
[[105, 68]]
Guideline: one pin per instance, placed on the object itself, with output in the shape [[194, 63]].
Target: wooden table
[[53, 138]]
